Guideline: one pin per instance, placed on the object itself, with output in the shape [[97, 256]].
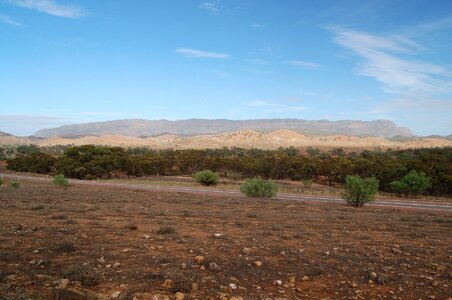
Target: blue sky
[[73, 61]]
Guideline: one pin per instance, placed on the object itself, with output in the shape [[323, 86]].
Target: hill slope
[[242, 138], [145, 128]]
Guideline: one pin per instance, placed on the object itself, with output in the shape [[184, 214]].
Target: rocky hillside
[[242, 138], [191, 127]]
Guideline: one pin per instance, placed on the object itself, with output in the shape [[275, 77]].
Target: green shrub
[[412, 184], [359, 191], [1, 182], [60, 180], [260, 188], [307, 183], [207, 177], [15, 184]]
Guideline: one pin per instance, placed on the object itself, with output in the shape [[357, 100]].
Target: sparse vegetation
[[166, 230], [207, 177], [359, 191], [100, 162], [412, 184], [60, 180], [65, 247], [15, 184], [259, 188], [307, 183]]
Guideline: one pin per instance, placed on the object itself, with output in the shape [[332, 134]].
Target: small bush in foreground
[[15, 184], [207, 177], [359, 191], [166, 230], [412, 184], [1, 182], [60, 180], [259, 188]]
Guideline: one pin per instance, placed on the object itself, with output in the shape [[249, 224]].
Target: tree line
[[332, 168]]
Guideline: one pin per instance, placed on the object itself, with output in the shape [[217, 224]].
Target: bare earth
[[124, 244], [243, 138]]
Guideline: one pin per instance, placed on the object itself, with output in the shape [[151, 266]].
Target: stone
[[199, 259], [116, 294], [63, 283], [214, 267], [258, 263], [167, 284], [180, 296], [217, 235], [233, 286], [305, 278], [277, 282], [246, 251]]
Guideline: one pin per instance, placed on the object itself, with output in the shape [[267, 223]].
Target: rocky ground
[[92, 242]]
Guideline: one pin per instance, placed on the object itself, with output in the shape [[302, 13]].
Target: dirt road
[[394, 203]]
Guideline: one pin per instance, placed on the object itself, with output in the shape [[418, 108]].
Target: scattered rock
[[180, 296], [217, 235], [277, 282], [199, 259], [116, 294], [246, 251], [214, 267], [258, 263], [63, 283], [233, 286], [167, 284], [305, 278], [382, 279]]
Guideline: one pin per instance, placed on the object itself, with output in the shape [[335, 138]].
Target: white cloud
[[201, 54], [383, 58], [304, 64], [51, 7], [212, 6], [8, 20]]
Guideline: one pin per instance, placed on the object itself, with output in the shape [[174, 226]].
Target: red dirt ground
[[128, 243]]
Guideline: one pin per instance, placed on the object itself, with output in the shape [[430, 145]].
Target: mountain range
[[192, 127]]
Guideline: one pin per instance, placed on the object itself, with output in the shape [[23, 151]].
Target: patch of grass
[[15, 184], [82, 274], [166, 230], [59, 216], [65, 247]]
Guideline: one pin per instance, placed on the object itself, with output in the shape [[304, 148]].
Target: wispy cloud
[[304, 64], [201, 54], [211, 6], [274, 107], [427, 27], [258, 61], [8, 20], [414, 104], [258, 26], [384, 58], [108, 114], [51, 7]]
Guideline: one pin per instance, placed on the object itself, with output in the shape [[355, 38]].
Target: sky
[[75, 61]]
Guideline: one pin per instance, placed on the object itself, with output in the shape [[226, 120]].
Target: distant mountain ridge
[[191, 127]]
